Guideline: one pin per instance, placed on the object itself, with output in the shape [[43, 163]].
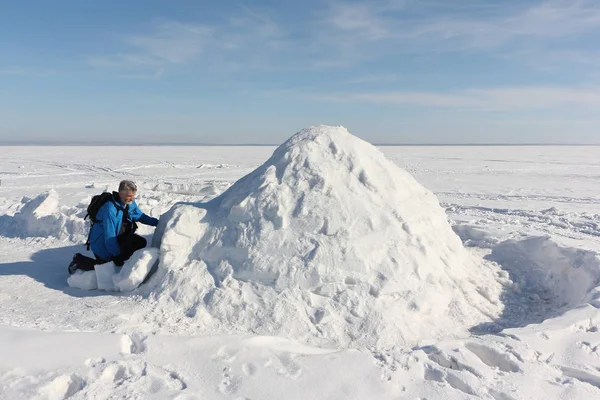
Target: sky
[[227, 72]]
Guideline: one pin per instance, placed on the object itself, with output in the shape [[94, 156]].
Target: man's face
[[127, 197]]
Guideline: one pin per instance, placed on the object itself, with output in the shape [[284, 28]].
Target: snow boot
[[73, 265], [81, 262]]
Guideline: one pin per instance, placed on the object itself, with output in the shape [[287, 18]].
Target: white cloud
[[174, 42], [147, 76], [364, 18], [381, 78], [26, 71], [422, 27], [171, 43], [505, 99], [348, 33], [243, 39], [12, 71], [550, 19]]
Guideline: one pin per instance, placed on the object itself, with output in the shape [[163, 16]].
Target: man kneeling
[[112, 237]]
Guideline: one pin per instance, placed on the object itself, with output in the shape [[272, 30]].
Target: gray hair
[[127, 186]]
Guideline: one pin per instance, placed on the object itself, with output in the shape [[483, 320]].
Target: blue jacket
[[103, 236]]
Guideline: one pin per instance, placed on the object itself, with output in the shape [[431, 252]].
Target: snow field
[[163, 367], [555, 359], [528, 215]]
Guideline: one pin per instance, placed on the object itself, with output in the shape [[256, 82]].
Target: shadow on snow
[[49, 267], [547, 281]]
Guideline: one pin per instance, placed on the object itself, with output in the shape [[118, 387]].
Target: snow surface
[[529, 216]]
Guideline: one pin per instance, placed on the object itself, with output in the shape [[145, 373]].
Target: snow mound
[[328, 242], [42, 216]]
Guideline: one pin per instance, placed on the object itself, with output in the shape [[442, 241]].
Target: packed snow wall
[[327, 242]]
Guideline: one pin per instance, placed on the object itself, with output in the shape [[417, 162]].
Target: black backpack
[[92, 210]]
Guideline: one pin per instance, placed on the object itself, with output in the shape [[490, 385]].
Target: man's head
[[127, 191]]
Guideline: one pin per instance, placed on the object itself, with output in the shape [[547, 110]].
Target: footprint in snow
[[448, 376], [587, 347], [249, 369], [164, 380], [135, 376], [230, 383], [493, 358], [289, 367]]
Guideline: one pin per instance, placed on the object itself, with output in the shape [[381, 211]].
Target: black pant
[[128, 244]]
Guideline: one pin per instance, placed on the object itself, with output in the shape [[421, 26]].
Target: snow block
[[135, 270], [104, 274], [84, 280]]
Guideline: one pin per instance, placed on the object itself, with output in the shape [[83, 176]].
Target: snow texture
[[327, 242]]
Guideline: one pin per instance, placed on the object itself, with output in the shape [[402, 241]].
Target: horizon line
[[195, 144]]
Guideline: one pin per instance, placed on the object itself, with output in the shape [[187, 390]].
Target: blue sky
[[391, 71]]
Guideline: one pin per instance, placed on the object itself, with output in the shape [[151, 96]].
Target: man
[[112, 237]]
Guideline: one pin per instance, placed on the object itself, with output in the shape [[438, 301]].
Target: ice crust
[[327, 242]]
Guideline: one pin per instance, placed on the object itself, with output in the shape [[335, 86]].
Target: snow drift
[[42, 216], [327, 242]]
